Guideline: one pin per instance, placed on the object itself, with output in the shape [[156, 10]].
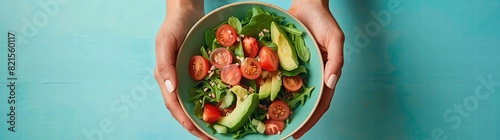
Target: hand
[[181, 16], [316, 16]]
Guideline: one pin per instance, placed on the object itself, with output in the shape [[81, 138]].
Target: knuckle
[[162, 68]]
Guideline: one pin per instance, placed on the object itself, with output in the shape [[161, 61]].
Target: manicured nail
[[169, 86], [331, 81]]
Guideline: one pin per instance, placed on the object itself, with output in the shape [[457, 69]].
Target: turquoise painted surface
[[431, 71]]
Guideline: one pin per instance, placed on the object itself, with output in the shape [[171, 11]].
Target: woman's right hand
[[181, 16]]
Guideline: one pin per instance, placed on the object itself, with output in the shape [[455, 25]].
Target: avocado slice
[[275, 86], [286, 52], [265, 89], [243, 109], [239, 91]]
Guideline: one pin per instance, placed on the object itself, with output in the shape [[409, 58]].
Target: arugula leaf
[[209, 37], [291, 30], [257, 24], [300, 98], [248, 128], [300, 70], [239, 50], [235, 23]]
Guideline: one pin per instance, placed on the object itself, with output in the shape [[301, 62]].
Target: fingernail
[[170, 87], [331, 81]]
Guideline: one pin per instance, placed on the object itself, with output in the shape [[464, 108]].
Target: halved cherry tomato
[[198, 67], [221, 57], [274, 127], [250, 68], [250, 47], [226, 35], [268, 59], [231, 74], [278, 110], [292, 83], [210, 113]]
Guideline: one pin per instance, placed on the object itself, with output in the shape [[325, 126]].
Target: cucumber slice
[[255, 122], [228, 100], [220, 128], [261, 127]]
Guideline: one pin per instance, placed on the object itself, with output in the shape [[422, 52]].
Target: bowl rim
[[279, 9]]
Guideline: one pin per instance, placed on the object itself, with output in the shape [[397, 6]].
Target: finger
[[322, 107], [173, 105]]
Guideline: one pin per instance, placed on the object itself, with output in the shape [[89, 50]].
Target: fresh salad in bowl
[[251, 75]]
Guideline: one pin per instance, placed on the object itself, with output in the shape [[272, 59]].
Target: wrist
[[196, 6], [321, 3]]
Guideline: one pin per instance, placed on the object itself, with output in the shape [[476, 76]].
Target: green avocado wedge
[[286, 52], [265, 89], [275, 86], [244, 107]]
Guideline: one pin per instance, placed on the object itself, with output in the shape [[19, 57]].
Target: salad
[[251, 75]]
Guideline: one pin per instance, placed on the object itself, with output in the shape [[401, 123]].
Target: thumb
[[335, 58], [166, 53]]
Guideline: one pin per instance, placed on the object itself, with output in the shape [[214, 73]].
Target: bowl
[[195, 39]]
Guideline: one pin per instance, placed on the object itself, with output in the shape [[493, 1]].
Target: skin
[[183, 14]]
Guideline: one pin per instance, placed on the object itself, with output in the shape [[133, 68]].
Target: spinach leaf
[[268, 44], [256, 11], [215, 45], [235, 23], [209, 37], [239, 50], [301, 48], [198, 110], [247, 18], [300, 97], [301, 71], [204, 53], [265, 40], [257, 24]]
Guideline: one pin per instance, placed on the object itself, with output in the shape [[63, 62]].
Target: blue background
[[91, 62]]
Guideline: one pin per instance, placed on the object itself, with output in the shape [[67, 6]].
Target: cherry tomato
[[231, 74], [210, 113], [221, 57], [268, 59], [250, 47], [274, 127], [250, 68], [198, 67], [278, 110], [292, 83], [226, 35]]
